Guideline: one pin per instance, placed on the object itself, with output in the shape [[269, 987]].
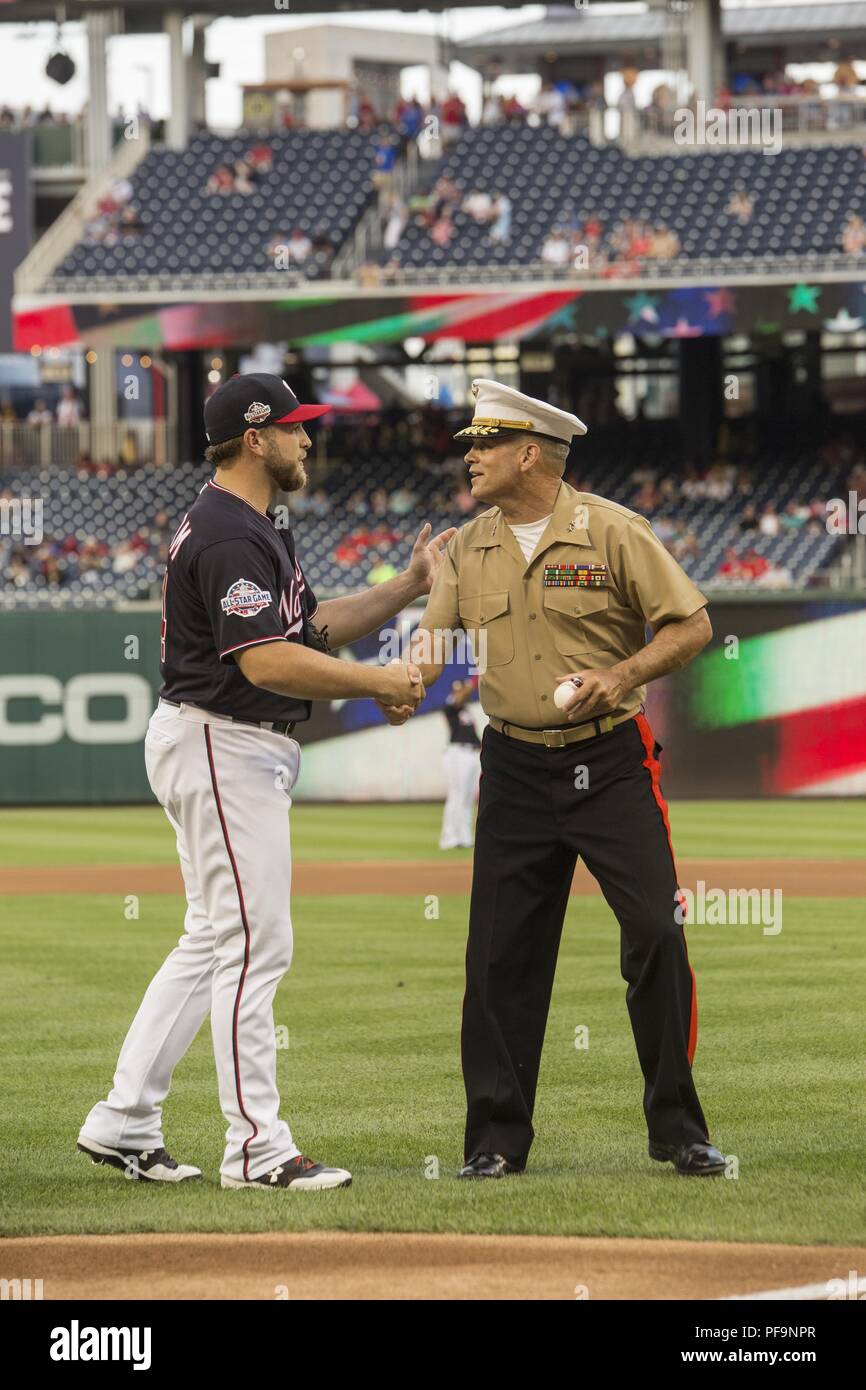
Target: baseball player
[[462, 768], [557, 587], [245, 648]]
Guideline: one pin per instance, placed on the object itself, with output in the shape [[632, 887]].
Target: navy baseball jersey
[[461, 727], [231, 581]]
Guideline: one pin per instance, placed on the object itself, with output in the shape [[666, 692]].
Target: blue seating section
[[320, 181], [801, 197], [112, 509]]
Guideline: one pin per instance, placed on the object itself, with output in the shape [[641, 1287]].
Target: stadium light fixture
[[60, 66]]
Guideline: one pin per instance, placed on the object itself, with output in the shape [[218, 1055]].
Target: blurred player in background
[[462, 768]]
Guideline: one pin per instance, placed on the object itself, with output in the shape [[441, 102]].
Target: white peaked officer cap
[[500, 410]]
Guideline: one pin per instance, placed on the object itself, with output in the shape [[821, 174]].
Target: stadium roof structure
[[829, 28], [145, 15]]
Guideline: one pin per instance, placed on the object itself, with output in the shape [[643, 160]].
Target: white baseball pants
[[462, 770], [226, 790]]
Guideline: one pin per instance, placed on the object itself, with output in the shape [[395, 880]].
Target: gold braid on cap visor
[[482, 425]]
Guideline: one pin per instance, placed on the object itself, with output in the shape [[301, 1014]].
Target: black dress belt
[[274, 726]]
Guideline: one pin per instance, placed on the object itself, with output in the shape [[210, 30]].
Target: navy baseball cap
[[254, 399]]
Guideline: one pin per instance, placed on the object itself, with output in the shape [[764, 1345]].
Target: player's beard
[[288, 476]]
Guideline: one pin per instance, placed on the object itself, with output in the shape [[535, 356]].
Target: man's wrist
[[413, 587], [624, 673]]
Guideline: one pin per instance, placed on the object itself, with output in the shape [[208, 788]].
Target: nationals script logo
[[245, 599]]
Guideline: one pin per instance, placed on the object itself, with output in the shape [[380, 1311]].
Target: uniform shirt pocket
[[577, 618], [487, 619]]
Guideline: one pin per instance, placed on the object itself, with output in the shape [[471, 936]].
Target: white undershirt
[[528, 536]]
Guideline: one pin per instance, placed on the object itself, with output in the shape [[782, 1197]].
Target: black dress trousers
[[533, 822]]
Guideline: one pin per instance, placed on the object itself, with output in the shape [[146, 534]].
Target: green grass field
[[141, 835], [371, 1076]]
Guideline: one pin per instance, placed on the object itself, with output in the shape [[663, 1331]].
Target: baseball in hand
[[562, 695]]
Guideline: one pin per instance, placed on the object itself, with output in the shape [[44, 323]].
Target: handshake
[[401, 691]]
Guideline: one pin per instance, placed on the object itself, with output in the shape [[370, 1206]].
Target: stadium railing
[[66, 446], [69, 227], [827, 120]]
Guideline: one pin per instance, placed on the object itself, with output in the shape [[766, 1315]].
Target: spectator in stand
[[550, 105], [556, 250], [128, 453], [795, 516], [245, 177], [854, 235], [741, 205], [366, 114], [491, 111], [452, 118], [593, 230], [442, 231], [130, 222], [408, 117], [753, 566], [464, 501], [395, 219], [260, 158], [769, 523], [222, 180], [730, 568], [478, 205], [513, 111], [68, 408], [383, 570], [384, 159], [8, 414], [40, 414], [719, 481], [664, 244], [500, 231], [401, 501], [299, 246], [749, 519], [379, 502]]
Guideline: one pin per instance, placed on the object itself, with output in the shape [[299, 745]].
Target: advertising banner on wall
[[775, 706], [16, 220]]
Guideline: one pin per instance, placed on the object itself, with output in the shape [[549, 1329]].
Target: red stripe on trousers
[[651, 764], [246, 926]]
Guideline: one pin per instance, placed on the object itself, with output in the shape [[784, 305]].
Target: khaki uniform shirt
[[535, 631]]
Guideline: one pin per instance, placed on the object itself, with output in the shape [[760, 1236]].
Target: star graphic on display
[[683, 329], [804, 297], [843, 323], [719, 302], [642, 307]]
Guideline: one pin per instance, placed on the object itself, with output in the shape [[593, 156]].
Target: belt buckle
[[605, 724], [553, 738]]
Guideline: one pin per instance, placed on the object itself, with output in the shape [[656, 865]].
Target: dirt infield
[[334, 1265], [824, 878]]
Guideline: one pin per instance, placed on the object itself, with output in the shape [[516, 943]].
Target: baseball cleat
[[154, 1165], [690, 1160], [485, 1165], [299, 1173]]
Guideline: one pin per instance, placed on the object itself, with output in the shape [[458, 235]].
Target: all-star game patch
[[245, 599], [575, 576]]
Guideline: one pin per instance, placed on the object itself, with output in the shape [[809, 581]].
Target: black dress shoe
[[690, 1160], [488, 1166]]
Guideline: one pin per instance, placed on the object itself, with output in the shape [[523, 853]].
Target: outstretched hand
[[427, 556]]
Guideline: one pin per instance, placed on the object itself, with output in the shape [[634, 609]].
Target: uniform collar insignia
[[570, 517]]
